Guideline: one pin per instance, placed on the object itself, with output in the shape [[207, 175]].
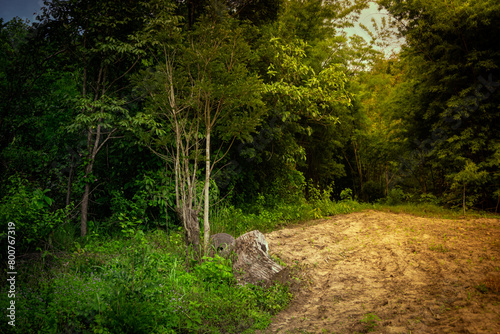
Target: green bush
[[395, 196], [346, 194], [216, 270], [30, 209], [428, 198]]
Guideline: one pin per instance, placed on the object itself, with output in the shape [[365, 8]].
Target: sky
[[365, 18], [25, 9]]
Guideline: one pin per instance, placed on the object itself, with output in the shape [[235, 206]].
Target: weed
[[438, 248], [482, 288], [370, 320]]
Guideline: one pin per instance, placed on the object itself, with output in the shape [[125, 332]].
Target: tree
[[301, 60], [202, 88], [102, 39], [469, 175], [227, 95], [310, 103], [452, 80]]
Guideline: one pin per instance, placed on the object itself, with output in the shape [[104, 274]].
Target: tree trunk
[[189, 218], [498, 202], [84, 210], [254, 265], [94, 147], [464, 199], [386, 180], [206, 222], [358, 165], [85, 201], [70, 181]]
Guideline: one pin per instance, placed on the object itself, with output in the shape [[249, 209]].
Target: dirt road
[[391, 273]]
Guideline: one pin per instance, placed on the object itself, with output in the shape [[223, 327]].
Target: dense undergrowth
[[144, 284]]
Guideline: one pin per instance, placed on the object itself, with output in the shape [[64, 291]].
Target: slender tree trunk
[[498, 202], [358, 165], [206, 222], [86, 195], [464, 199], [85, 209], [93, 145], [166, 203], [386, 180], [70, 181]]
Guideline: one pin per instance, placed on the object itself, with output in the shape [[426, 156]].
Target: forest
[[131, 131]]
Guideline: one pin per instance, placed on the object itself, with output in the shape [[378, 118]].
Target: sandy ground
[[391, 273]]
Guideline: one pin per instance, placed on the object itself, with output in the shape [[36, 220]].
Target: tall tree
[[101, 38], [201, 89], [453, 75]]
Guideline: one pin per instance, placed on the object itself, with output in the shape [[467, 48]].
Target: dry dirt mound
[[392, 273]]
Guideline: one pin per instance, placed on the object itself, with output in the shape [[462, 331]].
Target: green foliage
[[216, 270], [426, 209], [297, 98], [273, 299], [143, 203], [32, 212], [395, 196], [470, 175], [106, 112], [372, 191], [143, 285], [370, 320], [447, 99], [428, 198], [346, 194], [263, 217]]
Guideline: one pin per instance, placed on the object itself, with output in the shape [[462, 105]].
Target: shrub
[[346, 194], [216, 270], [396, 196], [30, 209]]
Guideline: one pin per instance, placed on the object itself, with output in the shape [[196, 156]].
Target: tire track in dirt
[[414, 274]]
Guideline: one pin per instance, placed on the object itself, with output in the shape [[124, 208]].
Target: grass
[[432, 211], [144, 284], [235, 221], [370, 320], [438, 248]]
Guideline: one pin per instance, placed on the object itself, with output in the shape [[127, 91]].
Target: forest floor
[[391, 273]]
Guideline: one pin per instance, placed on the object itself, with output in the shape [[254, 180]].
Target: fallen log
[[253, 264]]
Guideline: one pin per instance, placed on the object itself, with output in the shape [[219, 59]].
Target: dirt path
[[392, 273]]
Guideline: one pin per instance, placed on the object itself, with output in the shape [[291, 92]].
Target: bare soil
[[391, 273]]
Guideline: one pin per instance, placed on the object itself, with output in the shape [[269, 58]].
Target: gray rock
[[222, 244]]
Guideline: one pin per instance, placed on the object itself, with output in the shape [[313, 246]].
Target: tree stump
[[222, 244], [254, 265], [189, 218]]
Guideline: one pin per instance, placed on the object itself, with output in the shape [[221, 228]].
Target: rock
[[253, 264], [222, 244]]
